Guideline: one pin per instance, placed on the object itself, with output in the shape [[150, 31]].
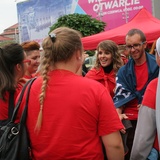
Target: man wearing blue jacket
[[132, 80]]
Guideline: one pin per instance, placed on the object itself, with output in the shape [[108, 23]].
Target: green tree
[[6, 42], [81, 22]]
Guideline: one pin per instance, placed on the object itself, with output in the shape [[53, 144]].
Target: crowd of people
[[108, 113]]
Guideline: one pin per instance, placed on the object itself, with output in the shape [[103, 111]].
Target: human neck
[[141, 60], [27, 73], [65, 66], [108, 69]]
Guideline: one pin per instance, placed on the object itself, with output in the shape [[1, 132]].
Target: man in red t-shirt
[[146, 141], [132, 80]]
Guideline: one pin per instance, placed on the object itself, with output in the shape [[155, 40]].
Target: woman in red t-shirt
[[69, 116], [12, 68], [108, 61]]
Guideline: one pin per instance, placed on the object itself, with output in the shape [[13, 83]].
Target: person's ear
[[78, 55], [145, 45], [18, 67]]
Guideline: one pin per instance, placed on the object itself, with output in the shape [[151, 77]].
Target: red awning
[[143, 20]]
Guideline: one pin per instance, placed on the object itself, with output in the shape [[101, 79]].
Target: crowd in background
[[105, 112]]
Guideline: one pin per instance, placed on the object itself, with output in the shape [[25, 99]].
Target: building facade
[[10, 34]]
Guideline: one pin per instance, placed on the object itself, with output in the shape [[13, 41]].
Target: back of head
[[10, 55], [61, 44], [121, 48], [137, 31]]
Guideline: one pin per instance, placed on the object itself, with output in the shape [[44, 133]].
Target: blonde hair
[[111, 47], [59, 46]]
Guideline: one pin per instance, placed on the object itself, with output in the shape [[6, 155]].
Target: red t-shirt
[[149, 99], [76, 112], [141, 73], [4, 104]]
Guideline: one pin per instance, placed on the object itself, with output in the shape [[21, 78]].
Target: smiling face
[[34, 57], [136, 48], [104, 57]]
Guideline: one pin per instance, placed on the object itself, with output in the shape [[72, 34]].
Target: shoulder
[[122, 70], [95, 73], [150, 55], [128, 64], [92, 71], [36, 86], [149, 98], [90, 84], [151, 59], [151, 88], [153, 84]]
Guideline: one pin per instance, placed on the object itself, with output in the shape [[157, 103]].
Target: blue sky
[[8, 14]]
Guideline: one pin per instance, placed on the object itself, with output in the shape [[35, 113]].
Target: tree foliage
[[81, 22], [2, 44]]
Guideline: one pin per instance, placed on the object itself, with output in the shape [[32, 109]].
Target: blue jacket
[[126, 81]]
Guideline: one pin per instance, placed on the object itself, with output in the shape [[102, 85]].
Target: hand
[[122, 116], [138, 106], [123, 131]]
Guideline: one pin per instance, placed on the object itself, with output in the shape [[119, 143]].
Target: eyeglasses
[[135, 46], [27, 61]]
